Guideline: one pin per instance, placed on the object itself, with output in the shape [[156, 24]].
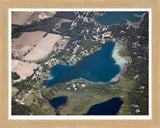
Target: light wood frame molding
[[4, 8]]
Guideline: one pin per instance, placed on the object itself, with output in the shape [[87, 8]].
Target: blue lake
[[98, 67], [110, 107], [58, 101], [119, 17], [102, 66]]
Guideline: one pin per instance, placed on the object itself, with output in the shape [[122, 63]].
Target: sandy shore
[[121, 61]]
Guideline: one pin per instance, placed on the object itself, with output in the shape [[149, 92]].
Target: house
[[136, 76], [135, 105], [134, 44], [95, 37], [83, 85], [98, 29], [68, 88], [134, 53], [142, 87], [19, 97], [138, 111]]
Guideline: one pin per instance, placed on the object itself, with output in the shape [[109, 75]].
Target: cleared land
[[26, 42], [43, 48], [22, 18], [14, 91], [82, 98], [39, 16], [24, 69]]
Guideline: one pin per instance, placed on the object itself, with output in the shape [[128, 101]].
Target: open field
[[29, 99], [43, 48], [26, 42], [24, 69], [22, 18], [82, 98], [14, 91]]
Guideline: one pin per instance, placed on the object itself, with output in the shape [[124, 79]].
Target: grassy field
[[38, 104], [14, 91], [29, 99], [80, 100]]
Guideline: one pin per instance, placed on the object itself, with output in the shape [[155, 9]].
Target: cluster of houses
[[22, 95], [102, 39], [76, 86], [74, 24], [136, 106], [61, 44], [85, 52], [38, 72], [136, 44], [52, 62], [84, 18]]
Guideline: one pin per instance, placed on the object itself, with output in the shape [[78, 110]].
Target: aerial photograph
[[79, 62]]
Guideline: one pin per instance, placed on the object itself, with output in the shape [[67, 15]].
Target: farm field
[[43, 48], [26, 42], [22, 18], [24, 69]]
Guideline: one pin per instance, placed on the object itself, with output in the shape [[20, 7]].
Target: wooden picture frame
[[4, 63]]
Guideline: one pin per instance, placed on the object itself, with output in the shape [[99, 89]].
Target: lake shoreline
[[118, 46], [120, 60], [123, 21]]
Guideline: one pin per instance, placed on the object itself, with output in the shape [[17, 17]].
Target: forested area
[[15, 76], [137, 47], [43, 25], [78, 36], [19, 109], [26, 84], [66, 15]]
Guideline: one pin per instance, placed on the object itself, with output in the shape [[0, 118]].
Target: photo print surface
[[79, 63]]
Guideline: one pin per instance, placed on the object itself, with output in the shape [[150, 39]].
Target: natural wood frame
[[6, 4]]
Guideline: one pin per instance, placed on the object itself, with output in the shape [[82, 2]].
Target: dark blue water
[[99, 67], [58, 101], [118, 17], [110, 107]]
